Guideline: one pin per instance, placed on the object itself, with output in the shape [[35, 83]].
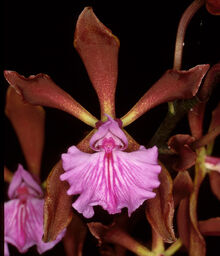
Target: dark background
[[38, 38]]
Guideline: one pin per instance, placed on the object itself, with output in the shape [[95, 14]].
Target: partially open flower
[[110, 177], [24, 214]]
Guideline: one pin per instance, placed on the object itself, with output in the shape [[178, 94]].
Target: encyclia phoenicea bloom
[[110, 177], [98, 48], [23, 219]]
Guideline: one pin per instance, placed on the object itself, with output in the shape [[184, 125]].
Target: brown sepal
[[182, 186], [212, 79], [190, 237], [196, 117], [171, 86], [183, 221], [41, 90], [28, 122], [186, 157], [74, 238], [57, 207], [215, 121], [210, 227], [160, 210], [98, 48], [213, 7]]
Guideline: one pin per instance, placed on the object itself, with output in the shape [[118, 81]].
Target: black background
[[38, 38]]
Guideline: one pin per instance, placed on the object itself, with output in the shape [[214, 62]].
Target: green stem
[[181, 31], [173, 248], [171, 108], [183, 24], [157, 242]]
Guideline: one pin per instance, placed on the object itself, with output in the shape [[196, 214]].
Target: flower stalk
[[173, 248], [183, 24]]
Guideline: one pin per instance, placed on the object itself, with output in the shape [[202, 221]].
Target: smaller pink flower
[[110, 177], [24, 214]]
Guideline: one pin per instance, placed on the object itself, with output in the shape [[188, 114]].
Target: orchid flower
[[110, 177], [108, 167], [23, 213]]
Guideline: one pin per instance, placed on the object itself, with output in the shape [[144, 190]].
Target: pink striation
[[24, 214], [110, 177]]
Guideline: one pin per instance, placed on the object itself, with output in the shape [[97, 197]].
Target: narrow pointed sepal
[[160, 210], [98, 48], [28, 122], [171, 86], [57, 207], [41, 90]]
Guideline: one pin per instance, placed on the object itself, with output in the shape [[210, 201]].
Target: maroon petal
[[197, 242], [190, 237], [171, 86], [212, 79], [57, 207], [195, 117], [74, 237], [160, 210], [196, 114], [183, 222], [182, 186], [210, 227], [98, 48], [186, 157], [28, 122], [214, 130], [41, 90], [215, 122], [213, 7]]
